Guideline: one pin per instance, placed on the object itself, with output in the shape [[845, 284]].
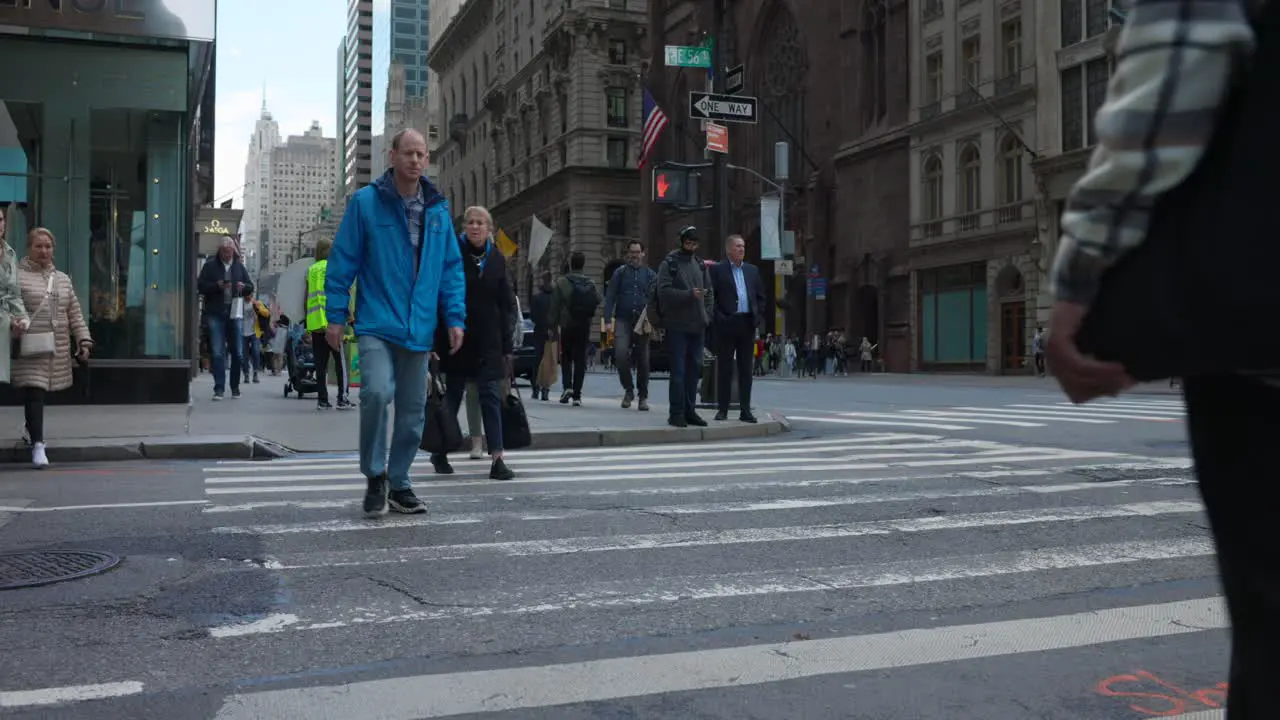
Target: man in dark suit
[[740, 305]]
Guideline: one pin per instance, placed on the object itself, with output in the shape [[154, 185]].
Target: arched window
[[931, 189], [475, 82], [1010, 170], [466, 99], [970, 172], [782, 86]]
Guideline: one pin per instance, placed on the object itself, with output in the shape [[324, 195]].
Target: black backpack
[[583, 300]]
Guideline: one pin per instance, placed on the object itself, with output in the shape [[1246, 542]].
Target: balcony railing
[[997, 219], [1008, 83], [930, 111]]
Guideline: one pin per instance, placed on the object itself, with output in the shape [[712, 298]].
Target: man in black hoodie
[[684, 300]]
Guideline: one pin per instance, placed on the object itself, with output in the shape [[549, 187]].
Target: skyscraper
[[401, 39], [357, 121], [302, 178], [257, 188]]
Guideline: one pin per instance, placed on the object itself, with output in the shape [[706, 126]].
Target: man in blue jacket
[[396, 243]]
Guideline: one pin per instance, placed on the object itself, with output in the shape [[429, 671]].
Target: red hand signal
[[663, 185]]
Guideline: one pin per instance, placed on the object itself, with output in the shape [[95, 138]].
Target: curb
[[250, 447]]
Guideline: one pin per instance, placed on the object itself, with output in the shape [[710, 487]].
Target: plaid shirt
[[1174, 59]]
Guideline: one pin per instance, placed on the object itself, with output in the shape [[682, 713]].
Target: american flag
[[655, 121]]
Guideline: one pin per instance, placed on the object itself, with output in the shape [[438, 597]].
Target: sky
[[288, 46]]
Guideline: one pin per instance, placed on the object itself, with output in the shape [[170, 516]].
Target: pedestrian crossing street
[[1016, 415], [668, 539]]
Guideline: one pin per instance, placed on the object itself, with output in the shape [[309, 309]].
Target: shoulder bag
[[41, 343]]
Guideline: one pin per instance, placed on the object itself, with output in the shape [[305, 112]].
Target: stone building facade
[[541, 104], [830, 81], [973, 250]]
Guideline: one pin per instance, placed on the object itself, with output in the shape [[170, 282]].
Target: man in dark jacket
[[684, 294], [624, 299], [573, 307], [224, 284], [739, 314], [540, 314]]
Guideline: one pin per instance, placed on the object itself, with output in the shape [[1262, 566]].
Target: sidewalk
[[264, 424]]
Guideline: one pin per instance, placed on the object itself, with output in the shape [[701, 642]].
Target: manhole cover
[[32, 569]]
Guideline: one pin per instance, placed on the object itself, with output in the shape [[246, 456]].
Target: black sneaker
[[375, 497], [404, 501], [499, 471], [255, 378], [565, 397], [722, 416], [345, 404], [677, 421], [695, 420], [323, 405], [235, 394], [577, 401], [627, 399], [441, 465]]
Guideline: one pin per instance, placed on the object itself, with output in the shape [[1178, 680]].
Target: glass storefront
[[96, 145]]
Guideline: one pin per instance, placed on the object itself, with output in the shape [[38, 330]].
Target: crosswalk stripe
[[464, 693], [656, 590], [255, 486], [570, 454], [1079, 411], [787, 504], [875, 423], [701, 538], [969, 418], [965, 415], [428, 492]]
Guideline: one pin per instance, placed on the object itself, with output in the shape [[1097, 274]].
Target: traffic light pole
[[721, 194]]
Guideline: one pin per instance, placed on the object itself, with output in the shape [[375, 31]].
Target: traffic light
[[671, 186]]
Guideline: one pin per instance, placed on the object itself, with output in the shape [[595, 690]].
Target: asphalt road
[[842, 571]]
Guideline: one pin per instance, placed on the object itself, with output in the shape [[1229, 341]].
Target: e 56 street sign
[[687, 56]]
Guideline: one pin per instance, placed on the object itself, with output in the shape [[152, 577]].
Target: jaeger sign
[[183, 19]]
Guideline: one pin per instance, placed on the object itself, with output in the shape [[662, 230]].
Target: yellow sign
[[216, 228]]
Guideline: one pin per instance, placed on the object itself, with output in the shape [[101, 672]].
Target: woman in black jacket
[[485, 355]]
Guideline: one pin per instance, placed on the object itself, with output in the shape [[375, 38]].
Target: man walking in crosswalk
[[397, 243]]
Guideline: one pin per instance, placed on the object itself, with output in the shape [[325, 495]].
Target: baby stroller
[[300, 362]]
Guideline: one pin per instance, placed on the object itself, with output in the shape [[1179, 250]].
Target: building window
[[1084, 19], [1011, 40], [617, 151], [874, 60], [931, 192], [1084, 87], [970, 63], [1010, 170], [615, 220], [618, 51], [970, 179], [933, 77], [616, 107], [952, 304]]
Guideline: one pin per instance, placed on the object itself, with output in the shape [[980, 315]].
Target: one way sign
[[725, 108]]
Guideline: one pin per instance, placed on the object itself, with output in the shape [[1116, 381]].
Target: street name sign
[[689, 56], [723, 108]]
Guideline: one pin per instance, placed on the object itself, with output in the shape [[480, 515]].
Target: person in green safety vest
[[317, 325]]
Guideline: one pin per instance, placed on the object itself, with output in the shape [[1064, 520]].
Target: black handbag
[[1198, 296], [441, 433], [516, 433]]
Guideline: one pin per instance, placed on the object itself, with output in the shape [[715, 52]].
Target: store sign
[[182, 19], [217, 228]]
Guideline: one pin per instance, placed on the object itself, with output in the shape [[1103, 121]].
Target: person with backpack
[[683, 300], [573, 306], [1164, 242]]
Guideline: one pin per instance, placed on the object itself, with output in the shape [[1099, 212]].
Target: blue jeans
[[490, 407], [252, 355], [225, 338], [390, 374], [685, 350]]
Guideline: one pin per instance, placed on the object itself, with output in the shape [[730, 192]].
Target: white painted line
[[618, 455], [1093, 412], [912, 415], [256, 486], [850, 421], [570, 454], [104, 506], [987, 449], [1144, 407], [709, 538], [1027, 414], [964, 415], [491, 691], [9, 513], [784, 504], [69, 694], [1202, 715], [690, 588]]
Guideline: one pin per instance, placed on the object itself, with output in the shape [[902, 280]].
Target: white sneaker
[[38, 458], [477, 450]]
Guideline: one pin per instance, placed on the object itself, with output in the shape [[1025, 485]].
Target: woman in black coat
[[486, 353]]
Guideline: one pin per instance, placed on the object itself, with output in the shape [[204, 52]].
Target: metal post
[[721, 172], [782, 171]]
